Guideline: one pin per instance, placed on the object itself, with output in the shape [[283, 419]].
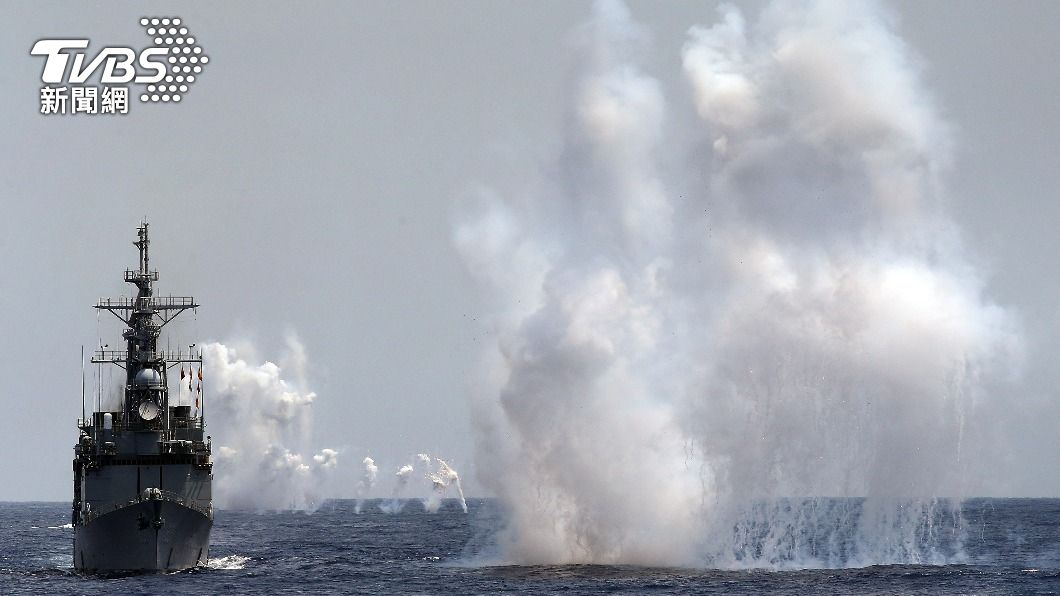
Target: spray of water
[[366, 483], [698, 345], [441, 479], [230, 562], [447, 474], [436, 483], [262, 422], [401, 482]]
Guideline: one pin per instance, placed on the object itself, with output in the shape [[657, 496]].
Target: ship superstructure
[[142, 470]]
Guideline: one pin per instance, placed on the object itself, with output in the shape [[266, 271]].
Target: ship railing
[[134, 275], [177, 426], [158, 495], [147, 303], [101, 356], [120, 356], [168, 495], [165, 435]]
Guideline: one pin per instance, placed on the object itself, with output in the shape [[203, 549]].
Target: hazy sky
[[308, 184]]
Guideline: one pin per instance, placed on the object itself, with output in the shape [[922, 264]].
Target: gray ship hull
[[146, 536]]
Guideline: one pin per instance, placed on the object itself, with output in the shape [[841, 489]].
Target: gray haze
[[308, 184]]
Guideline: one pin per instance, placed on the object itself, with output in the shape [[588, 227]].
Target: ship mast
[[145, 399]]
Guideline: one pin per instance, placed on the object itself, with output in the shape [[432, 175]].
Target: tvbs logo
[[119, 63], [165, 70]]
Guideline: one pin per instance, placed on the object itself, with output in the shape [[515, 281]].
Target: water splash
[[395, 504], [451, 478], [441, 480], [688, 354], [230, 562], [366, 483]]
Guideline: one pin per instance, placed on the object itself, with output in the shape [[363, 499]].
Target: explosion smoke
[[395, 505], [452, 479], [402, 478], [441, 480], [686, 362], [263, 423], [433, 501], [366, 483]]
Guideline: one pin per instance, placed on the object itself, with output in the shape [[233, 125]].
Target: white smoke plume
[[366, 483], [451, 478], [441, 479], [370, 472], [437, 485], [684, 357], [395, 504], [261, 421]]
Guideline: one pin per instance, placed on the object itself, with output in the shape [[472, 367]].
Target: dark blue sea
[[1012, 547]]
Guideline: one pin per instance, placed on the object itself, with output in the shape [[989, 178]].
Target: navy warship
[[142, 469]]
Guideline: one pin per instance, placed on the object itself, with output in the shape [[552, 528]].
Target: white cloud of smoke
[[261, 418], [438, 483], [679, 353], [367, 481], [441, 479], [401, 482]]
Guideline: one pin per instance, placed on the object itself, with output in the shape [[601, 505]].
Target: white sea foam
[[230, 562]]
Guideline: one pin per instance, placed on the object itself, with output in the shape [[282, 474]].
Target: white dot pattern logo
[[184, 52]]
